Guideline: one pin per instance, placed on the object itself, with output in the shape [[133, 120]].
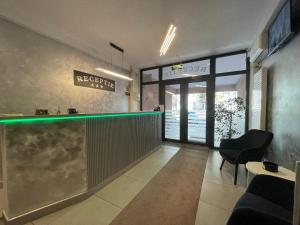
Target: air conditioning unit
[[259, 49]]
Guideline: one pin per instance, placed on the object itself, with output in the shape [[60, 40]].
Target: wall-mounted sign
[[92, 81], [190, 69]]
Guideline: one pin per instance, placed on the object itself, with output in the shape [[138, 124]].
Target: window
[[150, 75], [150, 97], [187, 89], [231, 63], [185, 70], [230, 88]]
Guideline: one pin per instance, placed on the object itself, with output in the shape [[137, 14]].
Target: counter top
[[28, 119]]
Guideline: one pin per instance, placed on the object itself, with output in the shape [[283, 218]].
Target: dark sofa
[[267, 201]]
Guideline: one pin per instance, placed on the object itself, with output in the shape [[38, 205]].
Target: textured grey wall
[[37, 72], [283, 103]]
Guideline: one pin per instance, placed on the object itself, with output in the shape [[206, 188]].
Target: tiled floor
[[218, 194]]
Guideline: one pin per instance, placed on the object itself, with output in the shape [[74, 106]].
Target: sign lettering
[[92, 81]]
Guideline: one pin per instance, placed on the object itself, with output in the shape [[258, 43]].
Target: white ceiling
[[204, 27]]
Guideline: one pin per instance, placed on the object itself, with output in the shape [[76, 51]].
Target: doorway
[[192, 92], [185, 112]]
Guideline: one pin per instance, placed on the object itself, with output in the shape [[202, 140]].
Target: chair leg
[[222, 164], [236, 173]]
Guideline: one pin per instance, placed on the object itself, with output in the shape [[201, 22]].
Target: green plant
[[226, 113]]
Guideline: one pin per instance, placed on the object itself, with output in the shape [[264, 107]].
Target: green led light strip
[[54, 118]]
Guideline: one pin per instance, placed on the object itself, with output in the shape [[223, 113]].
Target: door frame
[[211, 77], [184, 107]]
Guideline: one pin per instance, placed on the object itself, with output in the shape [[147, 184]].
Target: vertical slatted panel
[[113, 144]]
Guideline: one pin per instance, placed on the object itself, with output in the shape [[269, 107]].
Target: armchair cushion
[[250, 216], [277, 190], [233, 143], [230, 154], [268, 200], [264, 206], [249, 147]]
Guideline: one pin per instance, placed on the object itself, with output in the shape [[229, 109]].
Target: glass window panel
[[150, 75], [197, 112], [150, 97], [188, 70], [231, 63], [172, 112], [229, 88]]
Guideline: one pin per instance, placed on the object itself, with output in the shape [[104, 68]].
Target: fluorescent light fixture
[[114, 74], [169, 92], [168, 40]]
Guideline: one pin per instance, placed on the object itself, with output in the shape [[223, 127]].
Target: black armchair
[[249, 147], [268, 200]]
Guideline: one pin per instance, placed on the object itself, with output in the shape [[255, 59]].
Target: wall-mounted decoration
[[177, 67], [92, 81]]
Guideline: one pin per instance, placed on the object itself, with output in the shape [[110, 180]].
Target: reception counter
[[49, 162]]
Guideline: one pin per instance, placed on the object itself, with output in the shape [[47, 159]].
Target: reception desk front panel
[[115, 143], [45, 163], [46, 160]]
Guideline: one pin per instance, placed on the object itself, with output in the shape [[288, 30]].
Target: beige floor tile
[[150, 166], [121, 191], [45, 220], [226, 176], [211, 215], [142, 172], [223, 196], [93, 211]]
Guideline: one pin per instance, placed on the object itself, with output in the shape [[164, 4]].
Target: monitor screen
[[281, 28]]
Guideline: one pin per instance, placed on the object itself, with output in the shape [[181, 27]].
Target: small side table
[[256, 168]]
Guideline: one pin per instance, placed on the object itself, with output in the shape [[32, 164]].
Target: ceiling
[[204, 27]]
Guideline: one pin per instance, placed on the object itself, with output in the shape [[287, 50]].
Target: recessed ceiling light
[[114, 74], [168, 40]]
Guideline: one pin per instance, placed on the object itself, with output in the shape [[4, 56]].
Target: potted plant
[[226, 113]]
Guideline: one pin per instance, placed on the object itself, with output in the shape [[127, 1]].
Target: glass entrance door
[[172, 112], [197, 112], [185, 112]]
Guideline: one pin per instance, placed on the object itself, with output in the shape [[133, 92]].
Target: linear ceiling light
[[168, 40], [114, 74]]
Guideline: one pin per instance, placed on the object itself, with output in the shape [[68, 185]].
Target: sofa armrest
[[247, 216], [274, 189]]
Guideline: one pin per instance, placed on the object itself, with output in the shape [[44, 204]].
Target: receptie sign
[[92, 81]]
